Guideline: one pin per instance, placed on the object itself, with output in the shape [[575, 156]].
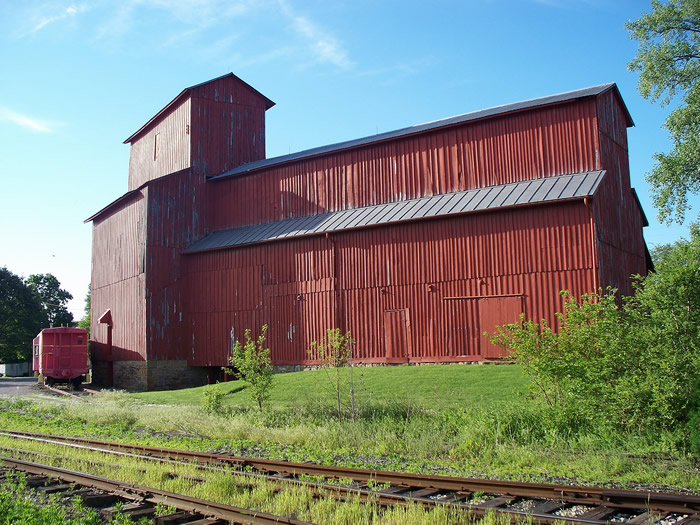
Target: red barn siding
[[173, 147], [228, 128], [618, 218], [433, 271], [175, 220], [118, 279], [538, 143]]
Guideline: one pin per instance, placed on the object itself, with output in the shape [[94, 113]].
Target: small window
[[80, 340], [156, 145], [36, 350]]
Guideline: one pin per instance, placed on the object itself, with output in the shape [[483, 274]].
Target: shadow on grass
[[236, 389]]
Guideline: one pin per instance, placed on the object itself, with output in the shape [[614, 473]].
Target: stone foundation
[[157, 375]]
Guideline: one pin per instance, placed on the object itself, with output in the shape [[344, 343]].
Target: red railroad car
[[61, 355]]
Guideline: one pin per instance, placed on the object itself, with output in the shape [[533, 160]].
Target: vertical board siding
[[118, 279], [175, 220], [619, 238], [291, 285], [548, 141], [173, 147], [228, 125]]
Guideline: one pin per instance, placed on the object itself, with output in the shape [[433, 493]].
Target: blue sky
[[80, 77]]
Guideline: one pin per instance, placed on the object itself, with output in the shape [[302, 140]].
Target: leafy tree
[[253, 363], [21, 317], [668, 60], [52, 297], [84, 323], [665, 315]]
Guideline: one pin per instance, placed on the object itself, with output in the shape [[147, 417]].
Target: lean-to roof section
[[550, 189]]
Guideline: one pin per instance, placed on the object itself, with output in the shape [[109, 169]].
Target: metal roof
[[548, 189], [459, 119]]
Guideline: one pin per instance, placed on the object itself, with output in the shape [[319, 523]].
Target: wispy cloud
[[40, 126], [196, 15], [324, 45], [192, 22], [68, 12]]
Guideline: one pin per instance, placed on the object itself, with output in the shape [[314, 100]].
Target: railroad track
[[142, 500], [543, 503]]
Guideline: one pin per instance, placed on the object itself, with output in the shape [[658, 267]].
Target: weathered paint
[[164, 149], [618, 218], [421, 291], [414, 292], [538, 143], [118, 278]]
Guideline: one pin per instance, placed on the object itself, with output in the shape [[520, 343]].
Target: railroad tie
[[135, 511], [495, 503], [177, 517], [599, 513], [547, 507], [50, 489]]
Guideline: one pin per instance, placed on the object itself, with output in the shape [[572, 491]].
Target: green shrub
[[253, 364], [334, 352], [633, 362], [213, 399], [694, 421]]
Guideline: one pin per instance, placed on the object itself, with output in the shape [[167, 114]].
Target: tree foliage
[[634, 364], [668, 60], [52, 297], [84, 323], [253, 364], [21, 317]]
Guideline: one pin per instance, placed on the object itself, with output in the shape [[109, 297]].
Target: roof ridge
[[418, 128]]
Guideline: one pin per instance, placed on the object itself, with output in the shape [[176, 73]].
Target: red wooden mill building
[[416, 240]]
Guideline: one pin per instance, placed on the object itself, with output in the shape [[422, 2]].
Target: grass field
[[431, 386], [467, 420]]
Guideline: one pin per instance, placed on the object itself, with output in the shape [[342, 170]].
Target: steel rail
[[655, 501], [150, 495], [243, 516], [406, 487]]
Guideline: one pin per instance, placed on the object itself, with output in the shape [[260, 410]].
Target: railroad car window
[[80, 340], [36, 350]]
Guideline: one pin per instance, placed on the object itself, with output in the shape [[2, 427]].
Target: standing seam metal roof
[[548, 189]]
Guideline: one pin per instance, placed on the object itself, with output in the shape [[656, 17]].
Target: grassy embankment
[[455, 419]]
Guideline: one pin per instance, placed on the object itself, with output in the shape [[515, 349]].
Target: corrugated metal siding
[[173, 147], [118, 279], [301, 287], [428, 126], [175, 220], [540, 143], [618, 219], [228, 125]]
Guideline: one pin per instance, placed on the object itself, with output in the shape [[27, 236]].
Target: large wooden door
[[397, 339], [493, 312]]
